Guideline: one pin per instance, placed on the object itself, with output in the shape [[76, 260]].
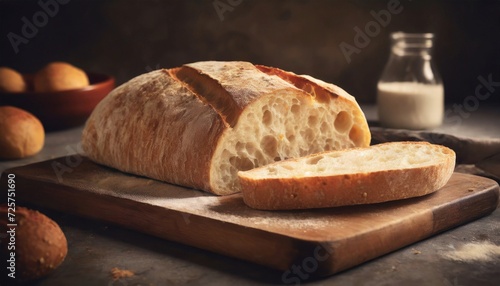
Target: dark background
[[128, 38]]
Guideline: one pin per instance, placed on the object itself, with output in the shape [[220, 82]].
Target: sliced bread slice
[[380, 173]]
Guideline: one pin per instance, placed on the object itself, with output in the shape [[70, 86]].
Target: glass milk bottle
[[410, 92]]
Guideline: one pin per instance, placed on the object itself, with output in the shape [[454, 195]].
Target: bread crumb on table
[[118, 273]]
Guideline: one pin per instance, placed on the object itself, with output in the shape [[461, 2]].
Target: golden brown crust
[[209, 91], [174, 125], [230, 86], [11, 80], [153, 126], [58, 76], [40, 243], [321, 94], [22, 134], [313, 191], [242, 80]]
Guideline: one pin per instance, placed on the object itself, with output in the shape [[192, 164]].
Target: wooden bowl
[[62, 109]]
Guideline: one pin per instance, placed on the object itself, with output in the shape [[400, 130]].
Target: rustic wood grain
[[317, 242]]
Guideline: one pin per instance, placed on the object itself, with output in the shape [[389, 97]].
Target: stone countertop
[[466, 255]]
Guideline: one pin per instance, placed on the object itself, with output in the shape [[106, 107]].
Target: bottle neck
[[407, 44]]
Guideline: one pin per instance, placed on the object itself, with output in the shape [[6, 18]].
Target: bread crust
[[239, 84], [154, 126], [22, 134], [41, 245], [315, 191], [59, 76], [170, 125], [11, 81]]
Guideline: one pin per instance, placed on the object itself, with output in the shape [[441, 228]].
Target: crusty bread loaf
[[199, 124], [379, 173]]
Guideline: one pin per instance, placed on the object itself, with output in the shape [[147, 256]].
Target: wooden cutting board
[[308, 242]]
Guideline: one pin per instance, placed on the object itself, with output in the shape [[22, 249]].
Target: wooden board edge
[[449, 216], [483, 203], [264, 248], [315, 258]]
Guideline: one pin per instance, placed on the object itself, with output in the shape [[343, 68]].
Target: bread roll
[[22, 134], [59, 76], [11, 80], [385, 172], [199, 124], [41, 245]]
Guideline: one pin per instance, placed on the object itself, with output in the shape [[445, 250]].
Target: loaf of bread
[[199, 124], [380, 173]]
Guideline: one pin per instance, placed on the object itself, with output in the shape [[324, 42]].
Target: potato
[[40, 244]]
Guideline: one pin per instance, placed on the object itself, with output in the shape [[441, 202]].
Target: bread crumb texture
[[380, 173], [118, 273], [376, 158], [281, 127]]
